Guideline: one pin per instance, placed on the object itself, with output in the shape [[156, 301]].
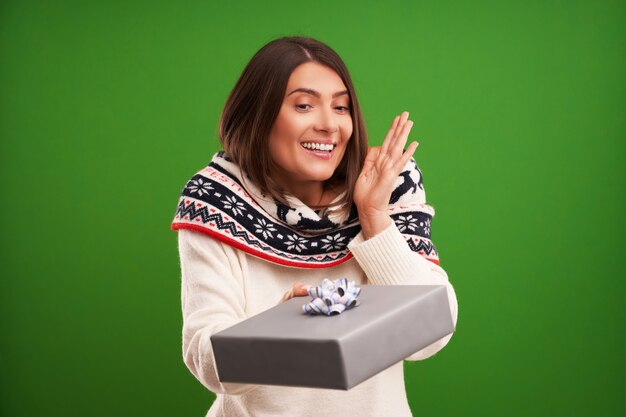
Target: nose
[[326, 121]]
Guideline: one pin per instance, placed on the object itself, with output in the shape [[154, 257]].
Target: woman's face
[[313, 127]]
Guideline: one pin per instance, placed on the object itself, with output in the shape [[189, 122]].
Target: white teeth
[[318, 146]]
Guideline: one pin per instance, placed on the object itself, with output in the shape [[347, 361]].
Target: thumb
[[370, 158]]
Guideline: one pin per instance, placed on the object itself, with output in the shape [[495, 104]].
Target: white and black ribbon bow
[[332, 297]]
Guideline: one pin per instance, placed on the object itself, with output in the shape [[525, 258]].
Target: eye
[[343, 109], [303, 106]]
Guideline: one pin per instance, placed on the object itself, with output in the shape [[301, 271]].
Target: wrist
[[373, 225]]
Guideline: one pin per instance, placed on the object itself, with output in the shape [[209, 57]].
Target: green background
[[107, 108]]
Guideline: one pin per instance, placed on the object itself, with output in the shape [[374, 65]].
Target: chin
[[317, 178], [320, 175]]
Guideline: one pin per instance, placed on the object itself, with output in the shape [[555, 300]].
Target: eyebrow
[[316, 93]]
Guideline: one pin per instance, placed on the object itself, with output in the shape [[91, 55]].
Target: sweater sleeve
[[386, 259], [213, 299]]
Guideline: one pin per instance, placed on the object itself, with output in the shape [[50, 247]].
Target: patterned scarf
[[221, 203]]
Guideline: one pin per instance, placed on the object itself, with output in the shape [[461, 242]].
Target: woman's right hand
[[298, 290], [375, 184]]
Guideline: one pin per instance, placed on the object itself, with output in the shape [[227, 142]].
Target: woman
[[297, 195]]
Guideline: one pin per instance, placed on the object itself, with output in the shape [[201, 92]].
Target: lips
[[319, 150], [318, 146]]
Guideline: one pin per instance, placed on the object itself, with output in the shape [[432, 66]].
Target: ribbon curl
[[332, 297]]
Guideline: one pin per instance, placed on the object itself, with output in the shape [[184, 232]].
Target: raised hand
[[381, 169]]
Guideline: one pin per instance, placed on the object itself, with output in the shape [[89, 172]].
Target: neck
[[311, 193]]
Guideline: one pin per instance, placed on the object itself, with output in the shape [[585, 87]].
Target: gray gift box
[[285, 346]]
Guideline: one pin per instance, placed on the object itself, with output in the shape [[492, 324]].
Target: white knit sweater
[[222, 285]]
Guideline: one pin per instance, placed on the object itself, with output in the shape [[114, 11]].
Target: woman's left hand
[[298, 290], [382, 166]]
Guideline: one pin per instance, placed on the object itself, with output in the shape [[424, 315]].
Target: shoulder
[[199, 182], [193, 240], [199, 243], [201, 239]]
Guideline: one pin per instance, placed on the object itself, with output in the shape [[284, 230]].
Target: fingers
[[372, 154], [408, 153], [402, 133], [392, 149], [298, 290], [404, 118], [390, 134], [398, 146], [370, 159], [286, 296]]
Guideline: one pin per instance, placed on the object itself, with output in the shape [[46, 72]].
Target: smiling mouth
[[318, 147]]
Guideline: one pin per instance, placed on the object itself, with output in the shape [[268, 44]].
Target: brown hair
[[254, 103]]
